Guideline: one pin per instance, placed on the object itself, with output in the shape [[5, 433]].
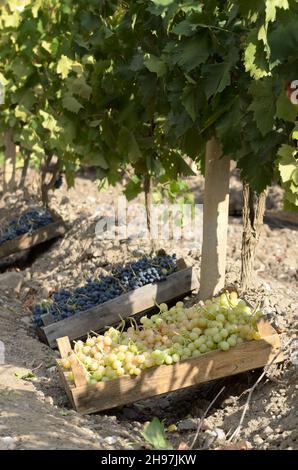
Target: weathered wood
[[26, 241], [215, 223], [163, 379], [47, 319], [177, 285], [64, 346], [65, 350]]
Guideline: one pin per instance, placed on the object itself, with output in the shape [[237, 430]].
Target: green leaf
[[71, 104], [185, 28], [263, 105], [133, 188], [25, 375], [79, 87], [163, 3], [272, 5], [285, 109], [154, 434], [155, 65], [218, 76], [189, 101], [295, 133], [128, 145], [191, 53], [287, 163], [96, 159], [49, 122], [64, 66]]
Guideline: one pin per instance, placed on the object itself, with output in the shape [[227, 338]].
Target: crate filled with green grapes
[[178, 347]]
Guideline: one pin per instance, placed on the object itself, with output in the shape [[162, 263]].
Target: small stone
[[268, 430], [111, 440], [49, 400], [65, 200], [7, 443], [188, 424], [130, 413], [11, 281], [258, 440]]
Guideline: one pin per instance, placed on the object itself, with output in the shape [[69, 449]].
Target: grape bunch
[[172, 335], [66, 303], [31, 220], [58, 182]]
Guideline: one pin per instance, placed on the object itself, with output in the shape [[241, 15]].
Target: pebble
[[11, 281], [188, 424], [268, 430], [7, 443], [111, 440], [258, 440]]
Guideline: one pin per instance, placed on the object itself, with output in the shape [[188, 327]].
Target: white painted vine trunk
[[215, 220]]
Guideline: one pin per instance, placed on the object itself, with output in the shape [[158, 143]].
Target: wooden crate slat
[[64, 346], [176, 285], [26, 241], [163, 379]]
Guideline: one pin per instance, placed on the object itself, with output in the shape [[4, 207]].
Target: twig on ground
[[201, 420], [38, 367]]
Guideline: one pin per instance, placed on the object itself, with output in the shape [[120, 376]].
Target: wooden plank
[[26, 241], [140, 300], [65, 350], [66, 385], [64, 346], [163, 379], [47, 319]]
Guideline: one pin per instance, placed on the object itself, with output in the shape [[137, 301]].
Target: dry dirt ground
[[35, 414]]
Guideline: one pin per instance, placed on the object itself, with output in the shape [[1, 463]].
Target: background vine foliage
[[141, 84]]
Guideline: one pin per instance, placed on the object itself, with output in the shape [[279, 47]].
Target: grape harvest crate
[[29, 240], [217, 364], [176, 286]]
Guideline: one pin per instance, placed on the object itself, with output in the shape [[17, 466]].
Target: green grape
[[232, 341], [217, 338], [224, 345], [220, 318], [224, 333], [193, 336], [169, 360], [210, 344], [202, 322], [176, 357]]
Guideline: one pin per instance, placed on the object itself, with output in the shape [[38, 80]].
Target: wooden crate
[[217, 364], [29, 240], [141, 300]]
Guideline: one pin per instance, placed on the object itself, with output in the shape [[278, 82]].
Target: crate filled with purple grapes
[[33, 227], [127, 291]]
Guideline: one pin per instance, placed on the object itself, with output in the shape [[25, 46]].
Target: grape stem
[[201, 420]]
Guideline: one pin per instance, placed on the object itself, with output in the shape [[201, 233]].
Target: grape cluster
[[31, 220], [58, 182], [66, 303], [171, 336]]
